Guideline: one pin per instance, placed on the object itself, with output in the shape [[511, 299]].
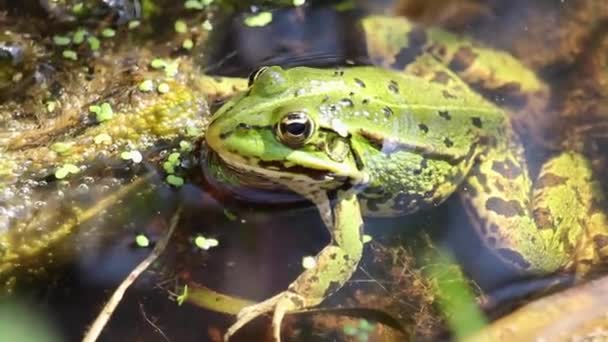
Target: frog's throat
[[271, 175]]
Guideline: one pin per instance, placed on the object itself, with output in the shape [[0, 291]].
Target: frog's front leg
[[334, 265], [542, 227]]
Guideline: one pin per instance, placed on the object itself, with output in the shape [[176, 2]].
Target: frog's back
[[416, 136]]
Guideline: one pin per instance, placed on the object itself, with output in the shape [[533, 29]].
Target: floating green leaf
[[103, 112], [108, 33], [175, 180], [188, 44], [142, 241], [61, 40], [70, 54], [134, 156], [180, 26], [205, 243], [163, 88], [146, 86], [259, 20], [94, 43], [66, 170]]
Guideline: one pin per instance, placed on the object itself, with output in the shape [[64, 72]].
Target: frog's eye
[[294, 129], [255, 74]]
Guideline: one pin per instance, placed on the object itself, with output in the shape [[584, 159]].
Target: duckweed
[[185, 146], [61, 40], [180, 26], [207, 25], [205, 243], [142, 241], [108, 33], [175, 180], [66, 170], [104, 112], [134, 156], [61, 147], [94, 43], [79, 36], [259, 20], [102, 139], [70, 54], [133, 24], [188, 44], [163, 88], [146, 86], [158, 63], [194, 5]]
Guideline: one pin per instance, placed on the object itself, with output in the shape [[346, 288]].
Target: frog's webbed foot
[[280, 305]]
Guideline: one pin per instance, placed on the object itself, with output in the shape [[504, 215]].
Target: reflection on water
[[65, 243]]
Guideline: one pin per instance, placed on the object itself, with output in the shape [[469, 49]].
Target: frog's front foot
[[281, 304]]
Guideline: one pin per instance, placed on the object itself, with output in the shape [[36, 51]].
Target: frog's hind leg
[[397, 42], [556, 222], [569, 201], [333, 266]]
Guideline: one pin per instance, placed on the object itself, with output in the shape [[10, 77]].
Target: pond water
[[103, 110]]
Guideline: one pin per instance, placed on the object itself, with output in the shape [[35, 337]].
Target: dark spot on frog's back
[[441, 77], [416, 40], [424, 128], [513, 257], [505, 208], [346, 102], [476, 122], [463, 59], [393, 87], [543, 218], [360, 83], [446, 94], [447, 142], [445, 114], [423, 165], [507, 169], [550, 180], [388, 112]]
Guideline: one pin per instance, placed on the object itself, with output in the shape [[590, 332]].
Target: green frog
[[369, 141]]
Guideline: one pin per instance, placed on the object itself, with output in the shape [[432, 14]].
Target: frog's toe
[[280, 304]]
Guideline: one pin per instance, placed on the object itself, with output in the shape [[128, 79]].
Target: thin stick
[[105, 314], [156, 327]]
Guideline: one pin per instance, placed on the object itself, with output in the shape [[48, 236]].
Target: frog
[[364, 141]]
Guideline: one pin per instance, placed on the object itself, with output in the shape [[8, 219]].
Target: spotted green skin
[[405, 141]]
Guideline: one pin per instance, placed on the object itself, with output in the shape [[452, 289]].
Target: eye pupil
[[296, 128]]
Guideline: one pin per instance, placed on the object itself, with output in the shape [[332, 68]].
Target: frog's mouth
[[256, 184]]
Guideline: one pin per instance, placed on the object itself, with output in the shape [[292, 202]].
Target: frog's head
[[273, 137]]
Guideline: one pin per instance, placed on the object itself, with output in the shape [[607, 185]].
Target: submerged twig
[[107, 311], [156, 327]]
